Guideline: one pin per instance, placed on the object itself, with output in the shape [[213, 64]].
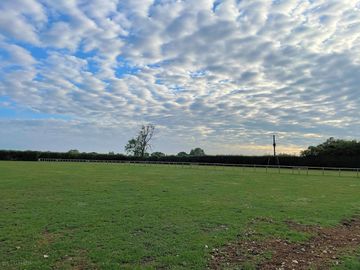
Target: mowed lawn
[[112, 216]]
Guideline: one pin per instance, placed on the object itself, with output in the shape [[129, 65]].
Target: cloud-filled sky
[[220, 74]]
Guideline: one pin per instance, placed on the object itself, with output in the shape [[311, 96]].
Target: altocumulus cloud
[[223, 75]]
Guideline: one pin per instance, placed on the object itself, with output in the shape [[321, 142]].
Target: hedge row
[[319, 161]]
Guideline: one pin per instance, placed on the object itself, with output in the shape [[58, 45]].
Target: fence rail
[[304, 170]]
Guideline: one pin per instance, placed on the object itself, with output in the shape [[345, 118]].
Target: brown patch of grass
[[77, 261], [147, 261], [47, 238]]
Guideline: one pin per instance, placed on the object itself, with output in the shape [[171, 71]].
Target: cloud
[[213, 74], [21, 19]]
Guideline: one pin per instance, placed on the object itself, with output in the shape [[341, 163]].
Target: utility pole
[[276, 159], [274, 145]]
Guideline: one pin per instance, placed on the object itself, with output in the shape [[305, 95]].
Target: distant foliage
[[133, 148], [182, 154], [157, 154], [332, 153], [314, 161], [74, 152], [197, 152], [139, 145], [333, 147], [20, 155]]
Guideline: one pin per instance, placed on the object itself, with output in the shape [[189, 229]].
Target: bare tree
[[139, 145]]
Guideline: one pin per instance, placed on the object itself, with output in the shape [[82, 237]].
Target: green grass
[[349, 262], [112, 216]]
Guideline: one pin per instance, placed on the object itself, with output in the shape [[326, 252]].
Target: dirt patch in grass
[[319, 252], [147, 260], [79, 260], [47, 238]]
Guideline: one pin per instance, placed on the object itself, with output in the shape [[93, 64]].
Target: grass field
[[112, 216]]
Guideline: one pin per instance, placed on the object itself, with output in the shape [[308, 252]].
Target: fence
[[280, 169]]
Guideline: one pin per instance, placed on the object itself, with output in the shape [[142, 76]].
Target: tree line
[[334, 147], [331, 153], [312, 161]]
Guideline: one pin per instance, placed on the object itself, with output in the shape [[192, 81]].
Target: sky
[[220, 75]]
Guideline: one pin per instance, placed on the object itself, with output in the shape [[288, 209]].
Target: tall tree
[[141, 143]]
